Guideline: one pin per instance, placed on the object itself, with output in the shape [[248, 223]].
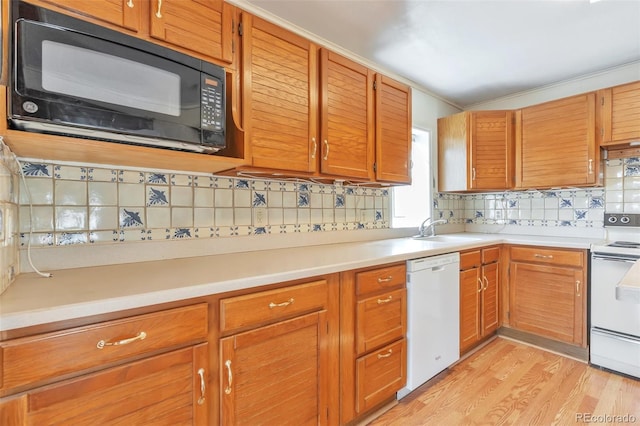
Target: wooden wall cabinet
[[310, 112], [618, 115], [278, 360], [373, 348], [475, 151], [548, 293], [161, 358], [479, 295], [201, 28], [555, 144]]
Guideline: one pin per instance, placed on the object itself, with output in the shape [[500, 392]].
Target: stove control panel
[[622, 219]]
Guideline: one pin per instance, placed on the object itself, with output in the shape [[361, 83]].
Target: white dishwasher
[[433, 323]]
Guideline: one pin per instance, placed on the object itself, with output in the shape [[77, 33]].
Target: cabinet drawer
[[380, 320], [30, 359], [548, 256], [380, 374], [272, 305], [490, 255], [380, 279], [470, 259]]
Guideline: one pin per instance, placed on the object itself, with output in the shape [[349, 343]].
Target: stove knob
[[612, 219], [625, 219]]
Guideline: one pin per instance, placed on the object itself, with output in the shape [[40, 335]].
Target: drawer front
[[380, 279], [549, 256], [490, 255], [470, 259], [272, 305], [30, 359], [380, 374], [380, 320]]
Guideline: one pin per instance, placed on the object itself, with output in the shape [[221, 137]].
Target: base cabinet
[[479, 296], [548, 293]]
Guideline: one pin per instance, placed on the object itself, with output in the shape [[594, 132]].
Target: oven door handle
[[615, 335], [614, 259]]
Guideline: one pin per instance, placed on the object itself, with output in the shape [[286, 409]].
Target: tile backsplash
[[9, 178], [92, 205]]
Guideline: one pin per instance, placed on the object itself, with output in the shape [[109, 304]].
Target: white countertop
[[80, 292]]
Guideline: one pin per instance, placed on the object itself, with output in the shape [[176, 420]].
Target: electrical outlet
[[259, 216], [498, 214]]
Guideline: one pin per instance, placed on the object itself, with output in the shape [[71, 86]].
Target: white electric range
[[615, 299]]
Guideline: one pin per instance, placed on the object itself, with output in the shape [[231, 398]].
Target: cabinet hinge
[[508, 315], [375, 85], [240, 29], [601, 131], [375, 167], [602, 100]]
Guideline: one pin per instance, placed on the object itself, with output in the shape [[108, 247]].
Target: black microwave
[[71, 77]]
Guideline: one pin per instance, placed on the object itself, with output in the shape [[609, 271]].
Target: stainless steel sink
[[446, 238]]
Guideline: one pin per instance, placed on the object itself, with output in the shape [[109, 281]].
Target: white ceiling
[[470, 51]]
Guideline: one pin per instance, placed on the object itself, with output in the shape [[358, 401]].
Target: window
[[411, 204]]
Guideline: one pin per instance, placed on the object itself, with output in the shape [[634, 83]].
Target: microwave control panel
[[212, 103]]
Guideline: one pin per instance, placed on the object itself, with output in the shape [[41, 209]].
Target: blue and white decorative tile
[[260, 185], [37, 239], [129, 176], [69, 172], [242, 184], [596, 203], [349, 190], [181, 180], [259, 199], [37, 169], [182, 233], [565, 223], [158, 178], [550, 194], [304, 199], [223, 183], [157, 196], [71, 238], [512, 204], [339, 201], [261, 230], [566, 203], [103, 236], [580, 214], [478, 214], [204, 232], [102, 175], [131, 217], [632, 160], [630, 170]]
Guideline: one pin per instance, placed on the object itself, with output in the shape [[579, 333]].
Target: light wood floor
[[510, 383]]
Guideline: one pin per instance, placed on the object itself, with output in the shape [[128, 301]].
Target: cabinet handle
[[543, 256], [387, 300], [315, 147], [227, 364], [130, 3], [578, 287], [486, 283], [385, 280], [481, 284], [141, 336], [385, 355], [590, 166], [158, 11], [282, 304], [326, 153], [473, 173], [202, 386]]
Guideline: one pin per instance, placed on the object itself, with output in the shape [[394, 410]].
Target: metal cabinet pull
[[590, 166], [282, 304], [473, 173], [315, 147], [141, 336], [481, 284], [385, 355], [202, 386], [578, 287], [486, 283], [387, 300], [227, 364], [543, 256], [130, 3], [326, 153], [158, 11], [385, 280]]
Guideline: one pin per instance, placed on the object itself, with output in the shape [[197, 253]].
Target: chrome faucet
[[430, 229]]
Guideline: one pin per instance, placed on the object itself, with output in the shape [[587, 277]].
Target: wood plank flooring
[[510, 383]]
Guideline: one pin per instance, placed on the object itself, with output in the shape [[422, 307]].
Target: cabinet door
[[380, 320], [276, 374], [470, 290], [121, 13], [452, 152], [393, 131], [619, 114], [167, 389], [548, 301], [555, 143], [491, 149], [489, 308], [280, 97], [347, 128], [204, 27]]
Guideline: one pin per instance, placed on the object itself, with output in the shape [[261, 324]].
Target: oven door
[[65, 80], [609, 312]]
